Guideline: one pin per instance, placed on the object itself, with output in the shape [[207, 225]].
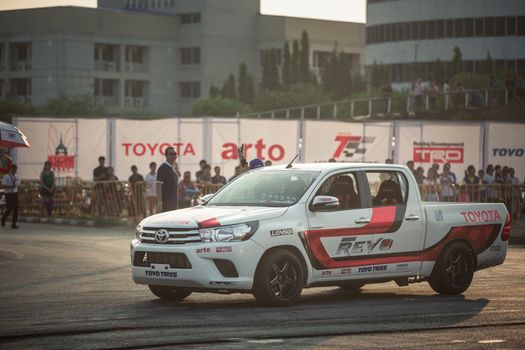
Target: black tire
[[352, 287], [279, 279], [169, 293], [454, 270]]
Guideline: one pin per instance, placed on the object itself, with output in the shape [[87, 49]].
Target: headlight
[[230, 233], [137, 231]]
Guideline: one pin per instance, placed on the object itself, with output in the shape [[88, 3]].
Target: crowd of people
[[178, 190], [472, 186]]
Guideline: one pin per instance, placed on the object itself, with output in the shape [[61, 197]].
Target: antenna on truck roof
[[290, 164]]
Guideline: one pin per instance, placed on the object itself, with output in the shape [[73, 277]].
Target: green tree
[[229, 90], [245, 85], [438, 71], [72, 106], [457, 62], [358, 83], [304, 60], [273, 71], [343, 77], [286, 68], [214, 91], [295, 69], [487, 66], [218, 107], [329, 73]]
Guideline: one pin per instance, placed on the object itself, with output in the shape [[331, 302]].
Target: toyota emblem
[[162, 236]]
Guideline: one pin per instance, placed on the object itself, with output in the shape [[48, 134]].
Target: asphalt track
[[68, 287]]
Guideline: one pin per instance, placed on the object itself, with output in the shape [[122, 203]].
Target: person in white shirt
[[151, 188], [10, 182]]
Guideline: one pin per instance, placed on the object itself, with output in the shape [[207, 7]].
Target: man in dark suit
[[167, 174]]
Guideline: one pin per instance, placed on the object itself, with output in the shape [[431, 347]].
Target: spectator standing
[[420, 175], [510, 84], [446, 93], [167, 174], [111, 174], [151, 188], [489, 181], [433, 91], [472, 183], [135, 176], [268, 162], [387, 95], [431, 188], [199, 173], [5, 162], [410, 165], [10, 182], [187, 191], [448, 182], [236, 173], [515, 191], [100, 173], [205, 177], [418, 93], [218, 179], [47, 187], [435, 166]]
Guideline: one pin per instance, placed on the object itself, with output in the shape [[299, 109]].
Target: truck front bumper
[[215, 266]]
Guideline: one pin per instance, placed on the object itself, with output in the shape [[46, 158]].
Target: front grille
[[177, 235], [175, 260]]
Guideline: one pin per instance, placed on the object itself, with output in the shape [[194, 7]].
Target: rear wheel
[[169, 293], [454, 270], [279, 279]]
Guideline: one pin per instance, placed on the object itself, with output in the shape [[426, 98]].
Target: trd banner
[[505, 145], [347, 142], [140, 142], [460, 144], [71, 145]]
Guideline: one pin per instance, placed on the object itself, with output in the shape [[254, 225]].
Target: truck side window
[[343, 186], [387, 188]]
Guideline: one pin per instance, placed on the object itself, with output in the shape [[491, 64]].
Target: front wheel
[[454, 270], [168, 292], [279, 279]]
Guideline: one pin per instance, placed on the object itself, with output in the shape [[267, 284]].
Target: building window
[[479, 24], [190, 18], [190, 89], [321, 58], [489, 26], [105, 52], [521, 25], [20, 88], [511, 26], [450, 28], [459, 28], [106, 87], [190, 55], [135, 54], [440, 29], [469, 27], [500, 26]]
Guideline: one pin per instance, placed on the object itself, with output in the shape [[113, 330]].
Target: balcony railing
[[399, 105]]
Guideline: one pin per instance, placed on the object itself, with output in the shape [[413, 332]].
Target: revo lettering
[[438, 155], [481, 216], [507, 152], [349, 246]]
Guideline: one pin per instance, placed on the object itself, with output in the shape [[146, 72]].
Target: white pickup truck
[[274, 231]]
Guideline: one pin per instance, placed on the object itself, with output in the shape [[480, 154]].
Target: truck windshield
[[273, 188]]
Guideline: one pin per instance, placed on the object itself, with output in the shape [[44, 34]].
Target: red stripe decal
[[211, 222], [382, 219]]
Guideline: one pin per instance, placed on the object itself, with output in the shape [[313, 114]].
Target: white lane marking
[[265, 341], [458, 341], [491, 341]]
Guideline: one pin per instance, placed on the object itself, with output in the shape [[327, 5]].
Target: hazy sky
[[339, 10]]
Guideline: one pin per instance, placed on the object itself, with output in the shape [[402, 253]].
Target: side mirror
[[204, 199], [324, 203]]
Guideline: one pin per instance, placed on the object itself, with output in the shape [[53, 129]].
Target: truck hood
[[202, 216]]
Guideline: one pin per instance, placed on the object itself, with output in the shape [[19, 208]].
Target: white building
[[408, 36], [150, 56]]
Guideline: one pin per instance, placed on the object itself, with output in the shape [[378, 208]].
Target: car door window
[[387, 188], [345, 188]]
